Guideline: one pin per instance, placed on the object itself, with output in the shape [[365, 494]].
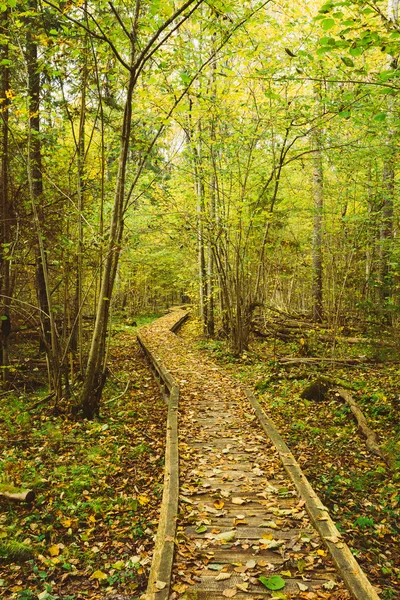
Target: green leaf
[[380, 117], [273, 583], [12, 3], [328, 24], [201, 529], [347, 61], [226, 536], [326, 7], [215, 567], [357, 51]]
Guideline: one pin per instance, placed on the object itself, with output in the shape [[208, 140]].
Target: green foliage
[[273, 583], [13, 551]]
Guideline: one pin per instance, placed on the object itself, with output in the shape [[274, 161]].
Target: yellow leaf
[[91, 519], [321, 552], [219, 504], [98, 575], [143, 500], [54, 550], [180, 588], [66, 523], [286, 573]]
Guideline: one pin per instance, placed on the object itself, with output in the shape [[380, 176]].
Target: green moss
[[13, 551]]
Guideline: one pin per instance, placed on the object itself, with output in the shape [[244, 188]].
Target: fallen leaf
[[302, 587], [272, 544], [269, 524], [143, 500], [66, 523], [223, 576], [180, 588], [201, 529], [98, 575], [215, 567], [230, 592], [243, 586], [273, 583], [226, 536], [160, 585], [54, 550], [251, 563], [238, 501], [329, 585]]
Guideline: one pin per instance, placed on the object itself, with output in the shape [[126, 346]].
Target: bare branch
[[120, 21]]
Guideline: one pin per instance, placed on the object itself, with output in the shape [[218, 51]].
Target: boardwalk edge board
[[353, 576], [158, 586]]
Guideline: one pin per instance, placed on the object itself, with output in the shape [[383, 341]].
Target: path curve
[[241, 518]]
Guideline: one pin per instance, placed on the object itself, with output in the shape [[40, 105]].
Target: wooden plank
[[256, 533]]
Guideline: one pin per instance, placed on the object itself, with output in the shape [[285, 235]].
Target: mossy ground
[[98, 486]]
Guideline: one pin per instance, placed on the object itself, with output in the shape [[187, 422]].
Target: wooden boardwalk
[[240, 517]]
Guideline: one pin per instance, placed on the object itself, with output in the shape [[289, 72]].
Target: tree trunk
[[317, 293], [50, 342], [35, 160], [386, 226], [95, 375], [76, 338], [5, 264], [212, 206]]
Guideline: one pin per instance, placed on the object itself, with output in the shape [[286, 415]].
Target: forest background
[[239, 156]]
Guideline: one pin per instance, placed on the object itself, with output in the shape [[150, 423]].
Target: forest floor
[[89, 532], [363, 495]]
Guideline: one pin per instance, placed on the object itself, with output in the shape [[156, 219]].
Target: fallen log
[[19, 496], [283, 362], [371, 438]]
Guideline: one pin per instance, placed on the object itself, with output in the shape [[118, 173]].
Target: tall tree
[[5, 252]]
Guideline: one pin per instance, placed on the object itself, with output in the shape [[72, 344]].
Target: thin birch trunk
[[317, 289], [318, 190], [5, 265]]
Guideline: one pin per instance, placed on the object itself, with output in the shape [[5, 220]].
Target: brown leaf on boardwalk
[[230, 592]]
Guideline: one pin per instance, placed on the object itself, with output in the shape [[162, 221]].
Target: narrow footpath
[[242, 529]]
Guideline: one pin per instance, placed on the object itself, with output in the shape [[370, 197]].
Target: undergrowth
[[98, 487]]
